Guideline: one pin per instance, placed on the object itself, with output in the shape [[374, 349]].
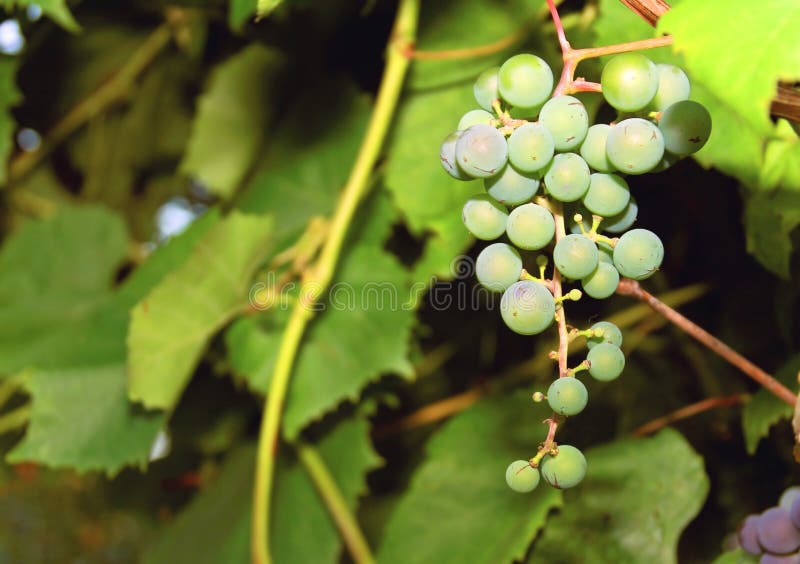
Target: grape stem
[[318, 277], [632, 289], [568, 84], [689, 411]]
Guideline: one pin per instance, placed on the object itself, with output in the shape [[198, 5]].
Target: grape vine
[[554, 182]]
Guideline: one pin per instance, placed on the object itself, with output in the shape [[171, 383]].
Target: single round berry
[[629, 81], [521, 476], [608, 333], [608, 194], [593, 148], [606, 362], [575, 256], [484, 217], [485, 88], [686, 126], [635, 146], [498, 266], [481, 151], [776, 532], [567, 396], [530, 227], [511, 187], [567, 178], [567, 120], [527, 307], [623, 220], [525, 80], [638, 254], [530, 147], [475, 117], [603, 282], [673, 86], [788, 496], [447, 156], [748, 535], [566, 469]]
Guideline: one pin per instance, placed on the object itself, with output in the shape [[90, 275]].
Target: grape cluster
[[541, 162], [775, 533]]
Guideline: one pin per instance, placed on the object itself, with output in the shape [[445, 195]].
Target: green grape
[[498, 266], [673, 86], [686, 127], [510, 187], [475, 117], [566, 469], [484, 217], [638, 254], [527, 307], [567, 120], [521, 476], [530, 147], [606, 362], [576, 256], [481, 151], [447, 156], [525, 80], [567, 178], [529, 113], [608, 194], [623, 220], [610, 333], [485, 88], [606, 254], [629, 81], [567, 396], [634, 146], [530, 227], [603, 282], [593, 148]]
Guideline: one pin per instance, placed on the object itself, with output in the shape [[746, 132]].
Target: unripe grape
[[673, 86], [686, 126], [567, 396], [510, 187], [521, 476], [629, 81], [610, 333], [527, 307], [525, 80], [484, 217], [635, 146], [530, 227], [447, 156], [530, 147], [481, 151], [603, 282], [593, 148], [623, 220], [498, 266], [575, 256], [608, 194], [606, 362], [638, 254], [474, 117], [566, 469], [485, 88], [567, 178], [566, 119]]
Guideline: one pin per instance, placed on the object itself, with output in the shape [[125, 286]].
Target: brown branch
[[689, 411], [633, 289], [786, 103]]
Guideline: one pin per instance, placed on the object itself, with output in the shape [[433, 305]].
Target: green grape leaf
[[369, 296], [458, 507], [748, 53], [215, 527], [170, 327], [108, 435], [9, 97], [75, 348], [55, 9], [232, 119], [429, 199], [458, 24], [239, 11], [637, 497], [765, 410], [737, 556], [55, 275]]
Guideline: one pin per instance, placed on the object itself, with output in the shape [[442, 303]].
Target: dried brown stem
[[633, 289], [689, 411]]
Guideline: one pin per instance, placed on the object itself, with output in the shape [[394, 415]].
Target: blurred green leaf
[[215, 527], [172, 324], [637, 497], [232, 119], [748, 53], [9, 97], [369, 296], [765, 410], [81, 418], [458, 507]]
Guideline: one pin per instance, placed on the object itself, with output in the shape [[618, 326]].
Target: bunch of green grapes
[[541, 161]]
